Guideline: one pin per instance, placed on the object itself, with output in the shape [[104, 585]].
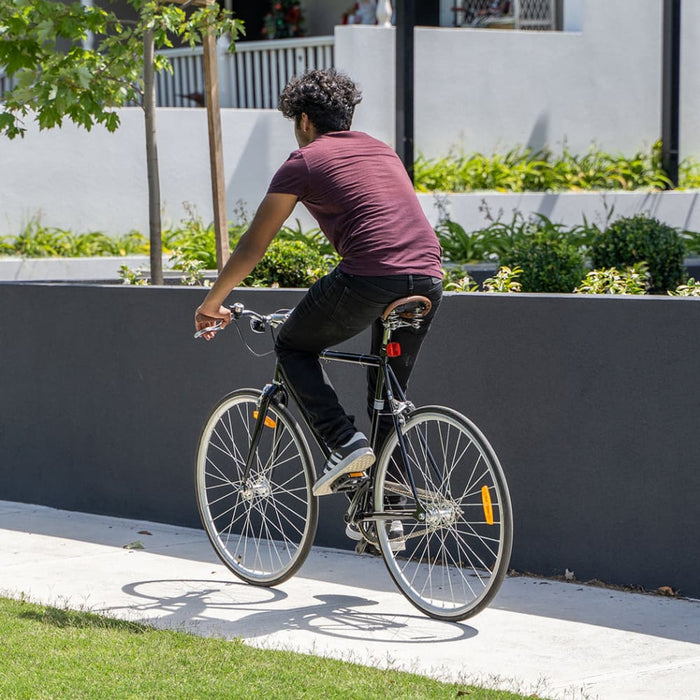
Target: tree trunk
[[149, 108]]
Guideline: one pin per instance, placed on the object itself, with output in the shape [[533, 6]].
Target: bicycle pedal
[[349, 482]]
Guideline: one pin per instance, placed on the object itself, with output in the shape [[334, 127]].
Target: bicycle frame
[[388, 384]]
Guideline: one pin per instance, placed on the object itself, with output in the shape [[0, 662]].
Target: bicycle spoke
[[261, 526], [457, 554]]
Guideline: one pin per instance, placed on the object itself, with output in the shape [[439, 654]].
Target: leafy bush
[[504, 281], [690, 289], [549, 262], [458, 246], [37, 241], [633, 280], [457, 279], [637, 239], [289, 264], [691, 242], [522, 169], [495, 241]]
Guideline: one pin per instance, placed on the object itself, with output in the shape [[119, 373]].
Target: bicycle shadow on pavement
[[250, 612]]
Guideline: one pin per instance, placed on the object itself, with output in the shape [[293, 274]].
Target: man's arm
[[273, 211]]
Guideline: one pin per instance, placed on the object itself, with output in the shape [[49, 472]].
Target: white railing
[[251, 77]]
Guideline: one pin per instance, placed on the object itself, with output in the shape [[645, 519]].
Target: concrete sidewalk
[[559, 640]]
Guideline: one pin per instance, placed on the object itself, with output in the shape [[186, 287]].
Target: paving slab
[[555, 639]]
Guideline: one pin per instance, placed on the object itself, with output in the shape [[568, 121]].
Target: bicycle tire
[[454, 560], [262, 529]]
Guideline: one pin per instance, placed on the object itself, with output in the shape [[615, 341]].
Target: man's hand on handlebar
[[206, 317]]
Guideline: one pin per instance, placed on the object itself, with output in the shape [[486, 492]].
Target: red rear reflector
[[393, 349]]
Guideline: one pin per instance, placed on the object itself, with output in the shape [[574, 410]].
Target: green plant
[[192, 269], [549, 262], [313, 237], [632, 280], [289, 264], [522, 169], [505, 281], [458, 246], [641, 238], [690, 289], [495, 241], [37, 241], [457, 279], [193, 240], [285, 19], [691, 242], [131, 276]]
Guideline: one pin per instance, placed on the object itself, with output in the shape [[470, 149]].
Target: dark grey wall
[[592, 404]]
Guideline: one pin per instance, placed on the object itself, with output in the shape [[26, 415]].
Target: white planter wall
[[487, 90], [479, 90]]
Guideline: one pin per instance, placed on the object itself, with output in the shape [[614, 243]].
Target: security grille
[[520, 14], [536, 14]]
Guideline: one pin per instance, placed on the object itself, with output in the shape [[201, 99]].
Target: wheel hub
[[259, 488]]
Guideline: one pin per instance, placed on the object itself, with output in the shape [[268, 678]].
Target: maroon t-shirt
[[357, 189]]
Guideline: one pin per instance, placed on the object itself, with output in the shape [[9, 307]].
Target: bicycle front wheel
[[262, 527], [457, 536]]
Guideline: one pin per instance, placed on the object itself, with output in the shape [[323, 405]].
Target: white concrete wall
[[97, 180], [480, 90], [475, 90]]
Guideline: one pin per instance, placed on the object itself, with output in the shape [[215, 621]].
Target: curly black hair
[[327, 96]]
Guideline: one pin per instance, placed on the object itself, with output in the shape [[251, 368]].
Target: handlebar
[[259, 323]]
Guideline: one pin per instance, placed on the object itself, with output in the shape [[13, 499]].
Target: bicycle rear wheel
[[261, 527], [458, 539]]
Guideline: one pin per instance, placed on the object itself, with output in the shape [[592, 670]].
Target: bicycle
[[436, 475]]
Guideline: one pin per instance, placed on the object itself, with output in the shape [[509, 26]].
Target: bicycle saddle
[[409, 307]]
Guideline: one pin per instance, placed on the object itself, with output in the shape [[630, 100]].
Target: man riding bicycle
[[359, 192]]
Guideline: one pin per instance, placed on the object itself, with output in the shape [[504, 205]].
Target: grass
[[48, 652]]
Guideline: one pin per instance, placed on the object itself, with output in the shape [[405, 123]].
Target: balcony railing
[[251, 77], [6, 83]]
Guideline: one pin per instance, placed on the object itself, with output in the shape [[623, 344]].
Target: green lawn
[[50, 653]]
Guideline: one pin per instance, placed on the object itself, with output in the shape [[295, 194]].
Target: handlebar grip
[[209, 329]]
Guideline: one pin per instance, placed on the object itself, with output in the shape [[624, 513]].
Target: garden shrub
[[632, 280], [289, 264], [522, 170], [638, 239], [549, 263]]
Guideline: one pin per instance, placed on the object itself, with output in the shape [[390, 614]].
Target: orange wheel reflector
[[486, 503], [356, 475], [269, 422]]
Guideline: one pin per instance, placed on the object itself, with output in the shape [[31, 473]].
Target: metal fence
[[516, 14], [6, 83], [251, 77]]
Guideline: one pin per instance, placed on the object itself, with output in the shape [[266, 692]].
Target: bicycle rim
[[262, 527], [456, 557]]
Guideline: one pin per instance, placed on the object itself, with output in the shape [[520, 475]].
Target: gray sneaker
[[353, 456]]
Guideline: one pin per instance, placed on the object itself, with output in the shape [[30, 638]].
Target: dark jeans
[[338, 307]]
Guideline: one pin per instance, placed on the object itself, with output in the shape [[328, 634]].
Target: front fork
[[273, 392]]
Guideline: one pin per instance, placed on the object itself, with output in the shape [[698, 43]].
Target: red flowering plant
[[284, 20]]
